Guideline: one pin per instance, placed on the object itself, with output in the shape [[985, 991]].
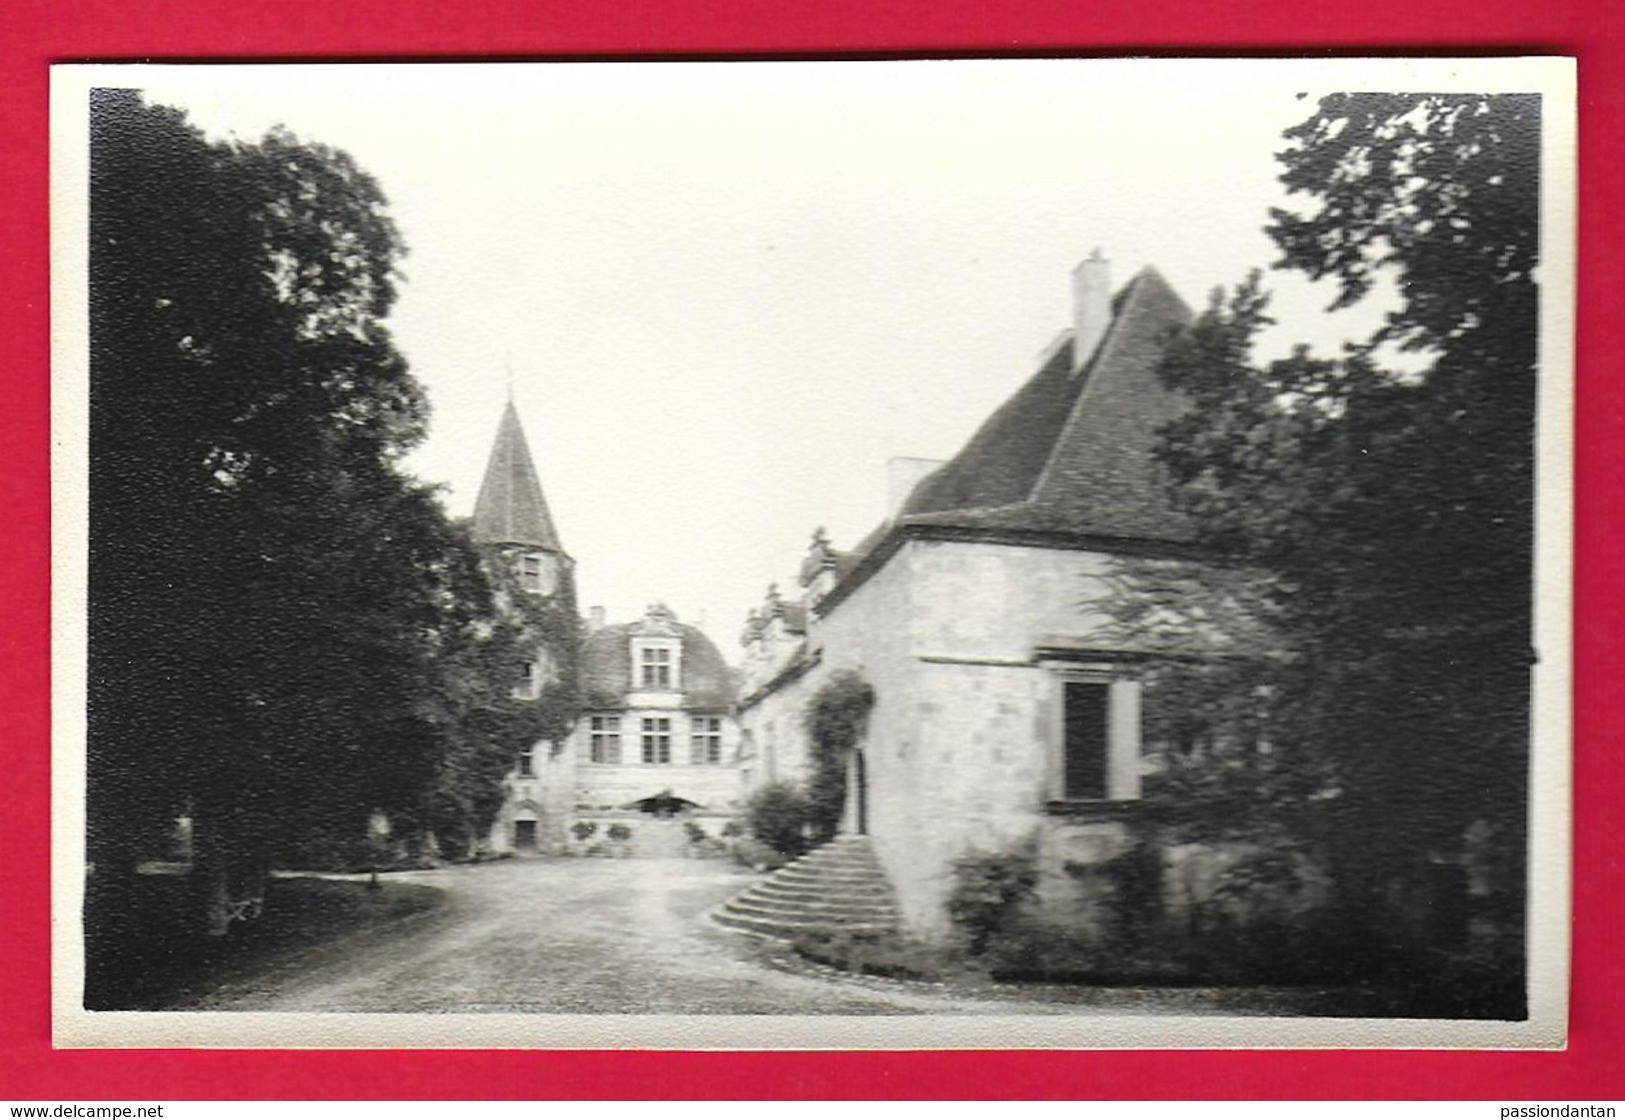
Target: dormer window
[[654, 668]]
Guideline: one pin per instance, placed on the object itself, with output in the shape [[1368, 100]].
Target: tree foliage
[[286, 633], [1391, 505]]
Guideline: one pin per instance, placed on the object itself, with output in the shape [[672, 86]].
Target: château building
[[651, 733]]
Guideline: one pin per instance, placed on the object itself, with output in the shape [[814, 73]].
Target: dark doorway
[[1084, 775], [663, 804], [524, 836], [860, 775]]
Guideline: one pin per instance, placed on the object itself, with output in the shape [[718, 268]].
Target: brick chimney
[[1091, 307], [595, 619]]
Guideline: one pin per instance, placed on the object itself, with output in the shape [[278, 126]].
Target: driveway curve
[[571, 936]]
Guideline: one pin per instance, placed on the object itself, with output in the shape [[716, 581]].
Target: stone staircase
[[838, 887]]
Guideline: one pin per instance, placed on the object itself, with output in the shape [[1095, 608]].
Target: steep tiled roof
[[511, 508], [606, 668], [1004, 458], [1069, 456], [1074, 453]]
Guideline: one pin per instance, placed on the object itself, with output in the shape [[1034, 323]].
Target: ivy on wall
[[836, 718]]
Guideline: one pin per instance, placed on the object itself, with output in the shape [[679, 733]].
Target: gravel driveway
[[568, 935]]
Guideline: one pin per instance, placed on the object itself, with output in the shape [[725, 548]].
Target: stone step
[[791, 872], [853, 862], [811, 907], [857, 892], [827, 914], [836, 888], [778, 927], [839, 870]]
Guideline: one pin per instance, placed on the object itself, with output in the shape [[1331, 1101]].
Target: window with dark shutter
[[1087, 705]]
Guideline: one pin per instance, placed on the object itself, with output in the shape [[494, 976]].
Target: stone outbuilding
[[1003, 718]]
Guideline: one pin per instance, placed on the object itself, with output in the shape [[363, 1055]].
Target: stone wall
[[868, 635], [995, 601], [601, 787], [547, 796], [612, 786], [960, 759], [962, 751]]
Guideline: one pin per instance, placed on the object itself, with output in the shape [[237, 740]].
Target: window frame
[[705, 740], [529, 684], [655, 740], [531, 570], [1124, 746], [655, 661], [604, 740]]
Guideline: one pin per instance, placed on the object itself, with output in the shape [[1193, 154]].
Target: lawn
[[144, 955]]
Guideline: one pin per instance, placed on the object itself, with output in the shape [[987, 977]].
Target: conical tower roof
[[511, 508]]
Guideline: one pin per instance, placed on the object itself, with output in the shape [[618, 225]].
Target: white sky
[[727, 293]]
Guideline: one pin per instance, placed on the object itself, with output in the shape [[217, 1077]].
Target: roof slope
[[511, 508], [1074, 453]]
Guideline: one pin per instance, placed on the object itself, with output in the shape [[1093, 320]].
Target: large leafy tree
[[1391, 501], [278, 615]]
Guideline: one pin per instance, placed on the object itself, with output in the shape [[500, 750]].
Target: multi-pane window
[[655, 668], [605, 738], [705, 741], [529, 684], [533, 573], [657, 740], [527, 761]]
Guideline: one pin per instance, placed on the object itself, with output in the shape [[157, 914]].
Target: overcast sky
[[725, 294]]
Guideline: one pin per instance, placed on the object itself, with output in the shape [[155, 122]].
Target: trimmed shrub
[[988, 890], [618, 832], [757, 856], [871, 954], [779, 815]]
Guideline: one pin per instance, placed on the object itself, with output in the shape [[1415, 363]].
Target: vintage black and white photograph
[[1032, 553]]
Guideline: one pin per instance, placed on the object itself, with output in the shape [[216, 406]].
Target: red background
[[35, 33]]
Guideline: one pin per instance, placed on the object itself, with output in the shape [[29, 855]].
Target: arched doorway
[[664, 804]]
